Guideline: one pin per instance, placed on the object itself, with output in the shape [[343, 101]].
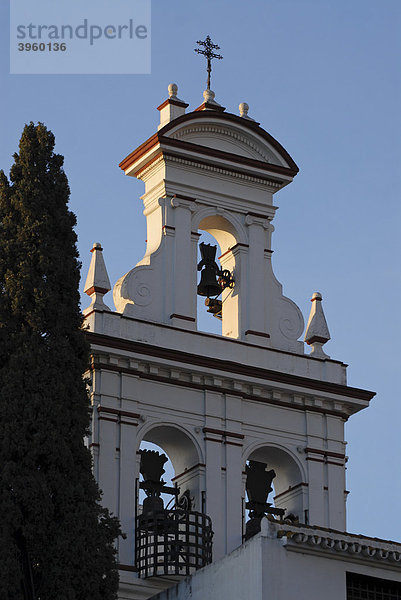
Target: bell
[[208, 285]]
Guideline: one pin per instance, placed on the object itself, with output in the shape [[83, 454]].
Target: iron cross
[[208, 52]]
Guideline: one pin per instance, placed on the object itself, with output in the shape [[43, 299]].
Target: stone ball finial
[[316, 296], [172, 90], [96, 246], [209, 95], [243, 109]]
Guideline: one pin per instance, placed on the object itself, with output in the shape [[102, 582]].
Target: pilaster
[[235, 299], [316, 468], [109, 449], [256, 329], [183, 279], [233, 442], [128, 419], [215, 500]]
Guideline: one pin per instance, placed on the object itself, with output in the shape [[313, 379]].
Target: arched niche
[[221, 229], [230, 234], [205, 320], [226, 227], [289, 486], [185, 457]]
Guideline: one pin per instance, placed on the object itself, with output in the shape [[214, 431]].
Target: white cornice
[[149, 171], [345, 546], [227, 172]]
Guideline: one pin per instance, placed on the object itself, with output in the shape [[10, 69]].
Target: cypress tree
[[57, 541]]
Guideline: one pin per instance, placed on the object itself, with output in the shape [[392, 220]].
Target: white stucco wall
[[265, 568]]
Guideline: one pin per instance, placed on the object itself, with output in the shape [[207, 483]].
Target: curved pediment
[[228, 138], [231, 134], [225, 139]]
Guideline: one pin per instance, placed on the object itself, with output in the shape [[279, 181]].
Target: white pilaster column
[[336, 480], [183, 282], [235, 299], [213, 440], [195, 235], [108, 463], [256, 327], [93, 438], [233, 446], [167, 272], [106, 391], [128, 416], [336, 493], [316, 468], [316, 491], [214, 492]]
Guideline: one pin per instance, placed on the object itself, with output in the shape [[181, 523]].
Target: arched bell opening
[[217, 292], [206, 320], [187, 468], [221, 229], [274, 485], [167, 476], [173, 536]]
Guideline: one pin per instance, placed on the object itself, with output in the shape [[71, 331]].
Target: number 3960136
[[41, 47]]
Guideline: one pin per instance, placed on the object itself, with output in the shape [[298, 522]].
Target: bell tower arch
[[186, 457], [289, 480], [228, 232]]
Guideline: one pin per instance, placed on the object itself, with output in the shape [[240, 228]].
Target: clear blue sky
[[323, 77]]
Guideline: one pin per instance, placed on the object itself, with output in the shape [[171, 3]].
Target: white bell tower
[[218, 172], [213, 403]]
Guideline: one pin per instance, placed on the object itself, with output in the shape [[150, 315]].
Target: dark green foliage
[[53, 529]]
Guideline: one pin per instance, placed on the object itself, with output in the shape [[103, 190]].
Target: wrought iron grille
[[172, 542], [362, 587]]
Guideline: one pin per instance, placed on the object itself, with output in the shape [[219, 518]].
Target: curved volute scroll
[[162, 286]]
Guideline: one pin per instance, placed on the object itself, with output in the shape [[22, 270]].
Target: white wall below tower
[[271, 567]]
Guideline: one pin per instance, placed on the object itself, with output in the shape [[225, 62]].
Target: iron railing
[[172, 542]]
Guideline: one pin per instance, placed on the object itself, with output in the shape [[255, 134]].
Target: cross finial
[[208, 52]]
